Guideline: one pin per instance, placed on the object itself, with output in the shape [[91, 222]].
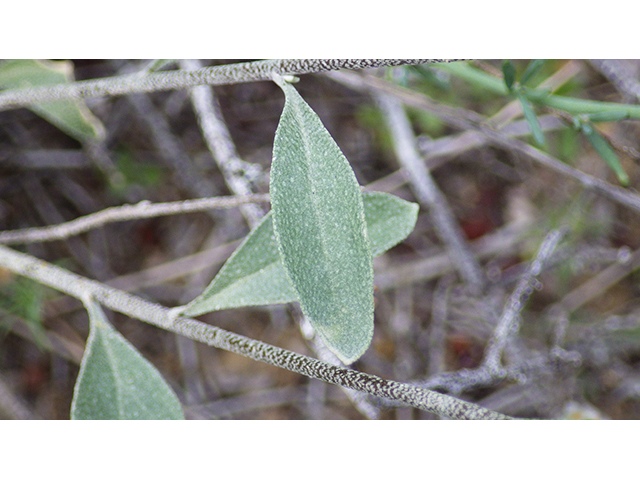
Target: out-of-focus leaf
[[437, 78], [71, 116], [509, 72], [157, 65], [533, 67], [606, 152], [116, 382], [612, 116], [255, 275], [531, 119], [320, 229]]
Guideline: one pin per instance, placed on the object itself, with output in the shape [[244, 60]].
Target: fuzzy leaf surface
[[116, 382], [255, 274], [320, 229]]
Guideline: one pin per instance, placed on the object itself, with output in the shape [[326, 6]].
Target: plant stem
[[79, 287], [143, 209], [218, 138], [567, 104], [429, 194], [509, 322], [218, 75], [469, 120]]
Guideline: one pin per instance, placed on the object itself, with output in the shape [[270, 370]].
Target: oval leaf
[[318, 220], [255, 275], [115, 382], [71, 116]]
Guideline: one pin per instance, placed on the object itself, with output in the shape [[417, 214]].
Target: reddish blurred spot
[[465, 352], [485, 215], [34, 377]]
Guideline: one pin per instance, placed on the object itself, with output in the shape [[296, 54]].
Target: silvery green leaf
[[71, 116], [389, 220], [255, 275], [318, 220], [116, 382]]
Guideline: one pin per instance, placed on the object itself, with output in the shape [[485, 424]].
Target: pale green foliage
[[255, 275], [115, 382], [71, 116], [320, 229]]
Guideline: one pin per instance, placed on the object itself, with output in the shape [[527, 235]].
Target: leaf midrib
[[298, 111]]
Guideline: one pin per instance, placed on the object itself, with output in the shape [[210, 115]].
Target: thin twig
[[429, 194], [620, 75], [216, 134], [79, 287], [359, 399], [598, 284], [509, 322], [503, 242], [437, 328], [140, 210], [170, 148], [219, 75]]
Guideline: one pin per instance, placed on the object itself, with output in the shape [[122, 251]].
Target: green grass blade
[[116, 382], [318, 219], [532, 69], [537, 96], [606, 152], [532, 119]]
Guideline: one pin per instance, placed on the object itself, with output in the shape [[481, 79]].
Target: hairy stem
[[218, 75], [79, 287]]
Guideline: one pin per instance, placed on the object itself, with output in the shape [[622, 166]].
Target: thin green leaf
[[533, 67], [71, 116], [539, 96], [115, 382], [255, 275], [606, 152], [531, 119], [157, 65], [433, 77], [612, 116], [318, 219], [509, 72]]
